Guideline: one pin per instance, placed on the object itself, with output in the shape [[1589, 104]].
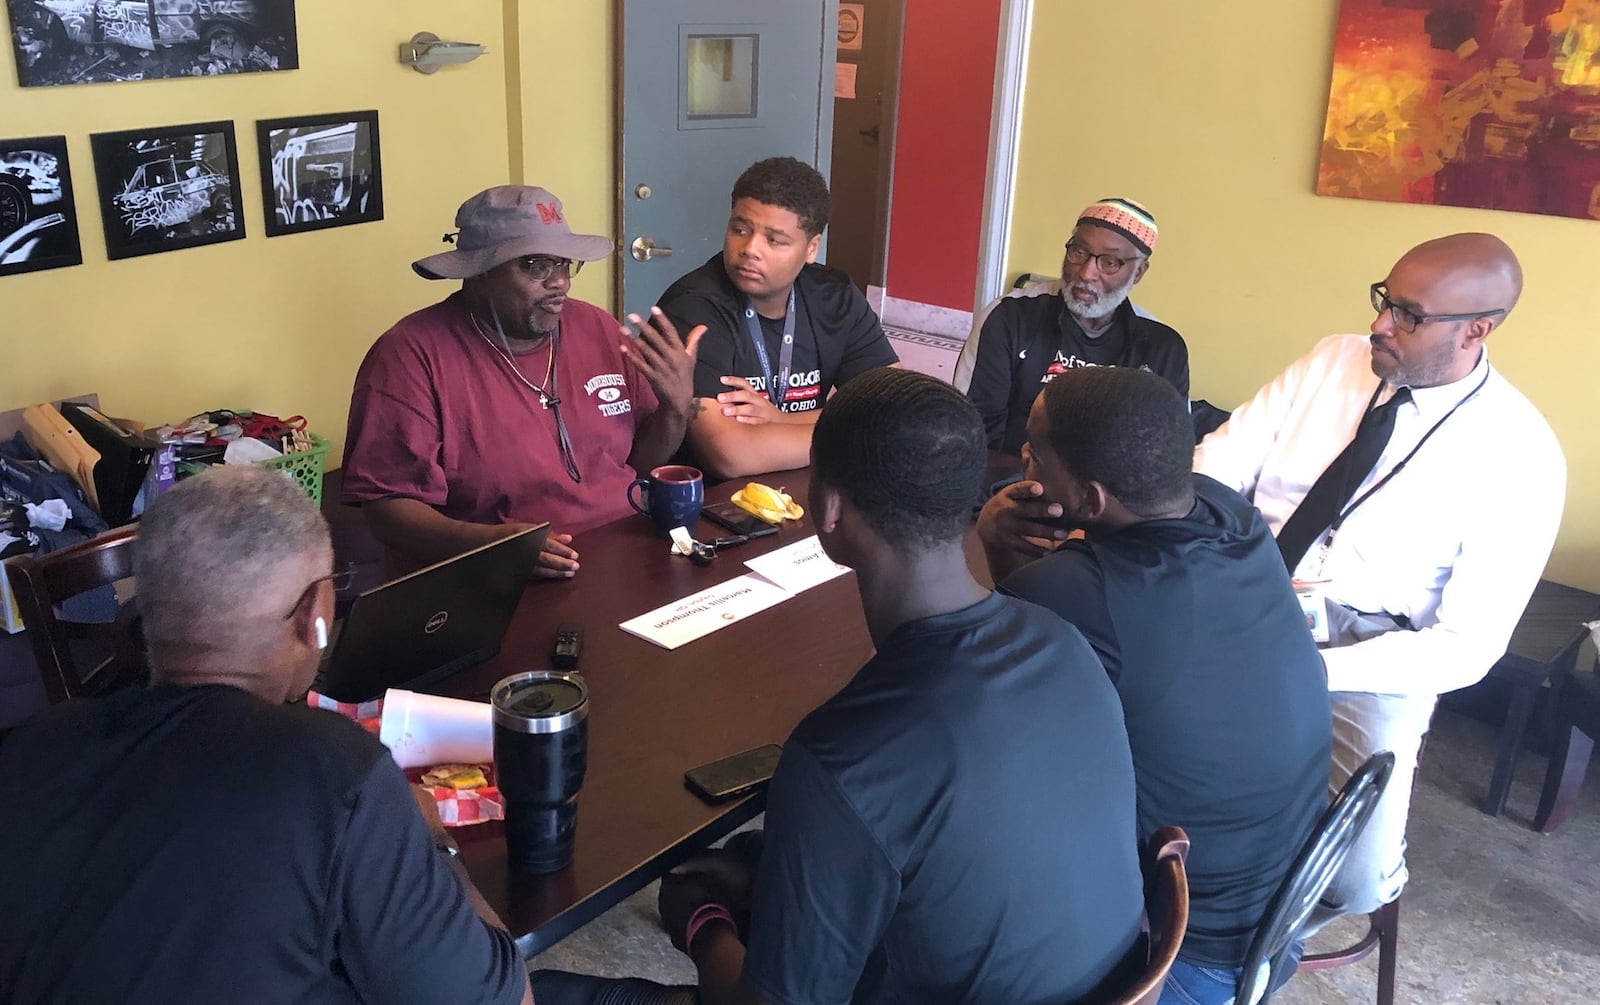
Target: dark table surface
[[655, 713], [1553, 619]]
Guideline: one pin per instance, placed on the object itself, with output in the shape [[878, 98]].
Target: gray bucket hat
[[507, 222]]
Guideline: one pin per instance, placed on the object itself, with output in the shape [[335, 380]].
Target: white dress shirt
[[1455, 542]]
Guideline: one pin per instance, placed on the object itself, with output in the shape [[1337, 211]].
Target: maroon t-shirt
[[437, 415]]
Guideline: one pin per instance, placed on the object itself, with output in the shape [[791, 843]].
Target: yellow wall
[[569, 120], [1212, 114], [281, 323]]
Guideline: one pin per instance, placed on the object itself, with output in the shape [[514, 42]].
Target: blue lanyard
[[777, 383]]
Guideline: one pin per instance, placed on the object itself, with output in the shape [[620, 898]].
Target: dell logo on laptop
[[436, 622]]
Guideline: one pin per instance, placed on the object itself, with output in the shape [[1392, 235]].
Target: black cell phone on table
[[732, 777], [726, 514]]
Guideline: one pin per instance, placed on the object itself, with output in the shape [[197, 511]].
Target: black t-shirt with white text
[[836, 334], [199, 844]]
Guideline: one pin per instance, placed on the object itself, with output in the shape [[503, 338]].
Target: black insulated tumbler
[[541, 747]]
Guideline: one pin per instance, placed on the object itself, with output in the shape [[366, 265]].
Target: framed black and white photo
[[168, 188], [38, 225], [95, 41], [320, 171]]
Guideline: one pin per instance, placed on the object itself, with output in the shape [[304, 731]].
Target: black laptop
[[421, 628]]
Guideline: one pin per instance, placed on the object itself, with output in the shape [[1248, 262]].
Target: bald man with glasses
[[511, 402], [1022, 341], [1415, 495]]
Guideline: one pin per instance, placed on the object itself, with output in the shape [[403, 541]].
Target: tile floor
[[1495, 913]]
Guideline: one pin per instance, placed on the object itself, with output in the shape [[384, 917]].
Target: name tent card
[[774, 578]]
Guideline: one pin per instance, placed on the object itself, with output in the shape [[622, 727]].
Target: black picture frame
[[38, 219], [167, 188], [85, 42], [320, 171]]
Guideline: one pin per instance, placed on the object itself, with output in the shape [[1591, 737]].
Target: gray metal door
[[709, 87]]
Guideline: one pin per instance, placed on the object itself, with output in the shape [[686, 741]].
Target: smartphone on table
[[734, 776], [732, 518]]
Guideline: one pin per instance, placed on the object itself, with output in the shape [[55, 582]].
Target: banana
[[767, 503]]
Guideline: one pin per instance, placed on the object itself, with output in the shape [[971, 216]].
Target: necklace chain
[[546, 398]]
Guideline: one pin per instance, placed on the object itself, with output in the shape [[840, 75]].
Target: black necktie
[[1338, 483]]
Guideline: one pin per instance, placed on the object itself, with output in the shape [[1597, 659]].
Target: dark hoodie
[[1223, 691]]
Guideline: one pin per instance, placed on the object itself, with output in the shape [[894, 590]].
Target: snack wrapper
[[457, 807]]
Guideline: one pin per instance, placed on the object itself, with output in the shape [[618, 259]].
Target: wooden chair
[[1383, 934], [42, 584], [1166, 908], [1309, 877]]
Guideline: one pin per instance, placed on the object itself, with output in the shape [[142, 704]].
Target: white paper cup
[[424, 729]]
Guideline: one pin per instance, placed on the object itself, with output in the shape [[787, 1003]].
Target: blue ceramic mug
[[673, 495]]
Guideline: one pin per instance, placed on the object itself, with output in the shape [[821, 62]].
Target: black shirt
[[956, 824], [836, 335], [1224, 692], [1026, 340], [199, 844]]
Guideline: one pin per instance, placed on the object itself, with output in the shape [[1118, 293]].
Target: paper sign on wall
[[844, 80], [852, 19]]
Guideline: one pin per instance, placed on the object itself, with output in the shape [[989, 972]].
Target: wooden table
[[654, 713]]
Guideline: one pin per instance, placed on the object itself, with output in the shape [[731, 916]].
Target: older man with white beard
[[1021, 341]]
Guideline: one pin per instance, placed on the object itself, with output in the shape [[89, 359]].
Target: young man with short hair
[[957, 823], [1179, 588], [781, 331]]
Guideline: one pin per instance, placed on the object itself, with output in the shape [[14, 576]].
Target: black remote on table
[[569, 643]]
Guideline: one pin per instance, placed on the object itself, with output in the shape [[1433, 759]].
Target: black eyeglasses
[[341, 581], [1109, 265], [1407, 319], [540, 268]]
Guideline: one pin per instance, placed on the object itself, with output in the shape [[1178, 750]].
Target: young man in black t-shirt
[[781, 331], [1022, 341], [956, 823], [1182, 592]]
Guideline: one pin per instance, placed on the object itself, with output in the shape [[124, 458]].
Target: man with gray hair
[[1022, 341], [510, 403], [200, 840]]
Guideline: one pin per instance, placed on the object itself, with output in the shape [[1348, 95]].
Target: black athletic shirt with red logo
[[836, 335], [1027, 339]]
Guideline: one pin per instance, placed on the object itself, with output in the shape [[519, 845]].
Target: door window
[[720, 72]]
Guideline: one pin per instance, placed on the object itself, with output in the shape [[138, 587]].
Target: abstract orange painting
[[1492, 104]]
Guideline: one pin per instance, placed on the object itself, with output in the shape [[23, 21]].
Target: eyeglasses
[[1407, 319], [1109, 265], [540, 268], [341, 581]]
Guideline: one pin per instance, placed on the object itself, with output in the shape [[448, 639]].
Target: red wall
[[941, 151]]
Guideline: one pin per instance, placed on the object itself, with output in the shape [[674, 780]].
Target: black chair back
[[1313, 870]]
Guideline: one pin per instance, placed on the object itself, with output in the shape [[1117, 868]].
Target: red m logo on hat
[[549, 212]]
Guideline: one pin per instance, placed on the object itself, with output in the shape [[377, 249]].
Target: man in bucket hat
[[1022, 341], [510, 403]]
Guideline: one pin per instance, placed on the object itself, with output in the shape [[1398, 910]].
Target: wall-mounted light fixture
[[426, 52]]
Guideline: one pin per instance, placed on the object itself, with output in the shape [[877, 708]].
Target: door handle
[[871, 134], [643, 250]]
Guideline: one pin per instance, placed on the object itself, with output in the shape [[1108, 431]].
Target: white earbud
[[320, 626]]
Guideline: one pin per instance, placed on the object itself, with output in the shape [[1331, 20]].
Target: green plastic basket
[[305, 467]]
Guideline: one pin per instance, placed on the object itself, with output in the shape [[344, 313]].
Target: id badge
[[1314, 605]]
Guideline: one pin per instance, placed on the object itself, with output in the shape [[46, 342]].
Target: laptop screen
[[427, 625]]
